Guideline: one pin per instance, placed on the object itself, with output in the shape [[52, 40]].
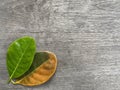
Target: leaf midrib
[[18, 62]]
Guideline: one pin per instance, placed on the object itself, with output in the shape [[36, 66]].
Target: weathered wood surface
[[84, 34]]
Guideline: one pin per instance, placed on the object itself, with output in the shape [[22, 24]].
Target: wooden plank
[[84, 34]]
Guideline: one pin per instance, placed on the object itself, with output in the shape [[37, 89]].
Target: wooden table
[[84, 34]]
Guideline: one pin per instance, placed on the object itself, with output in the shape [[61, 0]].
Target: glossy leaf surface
[[20, 55], [41, 70]]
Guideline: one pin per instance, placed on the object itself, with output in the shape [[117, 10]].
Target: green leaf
[[20, 56]]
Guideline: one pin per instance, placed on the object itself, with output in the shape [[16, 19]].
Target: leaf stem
[[9, 80], [13, 82]]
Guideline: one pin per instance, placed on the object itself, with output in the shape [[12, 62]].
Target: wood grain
[[84, 34]]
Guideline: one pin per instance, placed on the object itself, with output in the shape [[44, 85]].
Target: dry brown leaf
[[41, 74]]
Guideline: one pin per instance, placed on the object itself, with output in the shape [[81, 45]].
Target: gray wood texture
[[84, 34]]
